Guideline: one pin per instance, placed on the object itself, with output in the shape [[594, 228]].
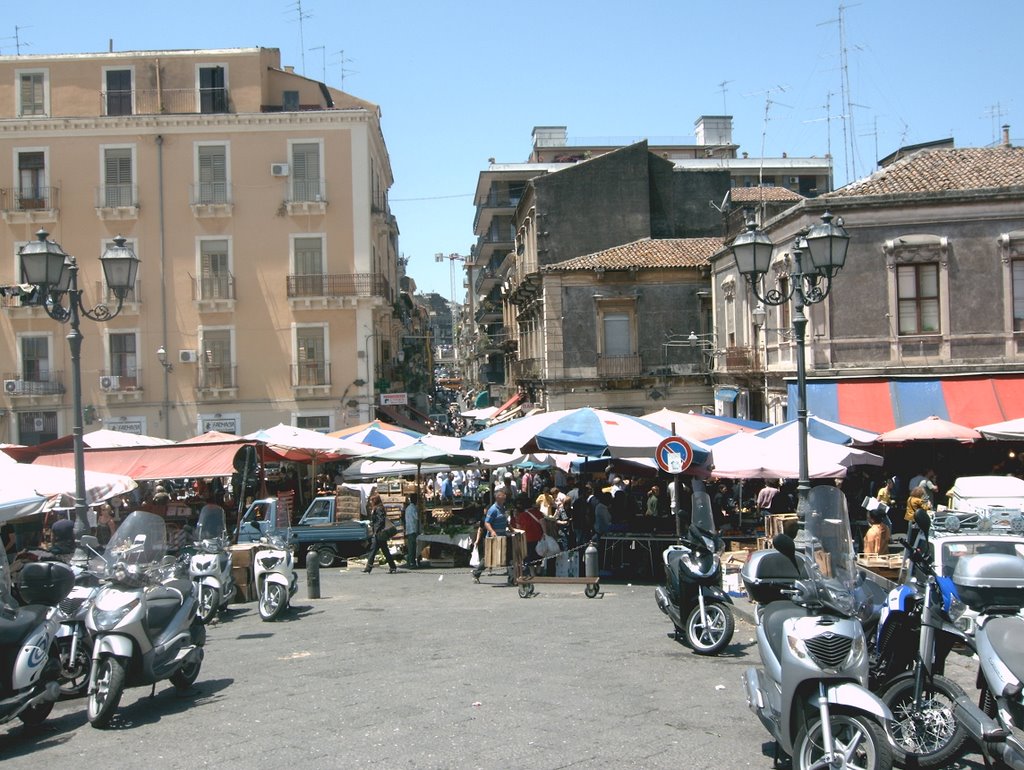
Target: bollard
[[313, 574], [590, 560]]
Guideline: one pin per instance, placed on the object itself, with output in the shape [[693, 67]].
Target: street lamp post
[[54, 273], [826, 244]]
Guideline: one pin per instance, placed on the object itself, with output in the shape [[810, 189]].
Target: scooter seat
[[1005, 634], [163, 601], [774, 617]]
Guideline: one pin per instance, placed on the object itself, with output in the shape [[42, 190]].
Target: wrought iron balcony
[[619, 366], [216, 377], [41, 383], [345, 285], [13, 199], [307, 374]]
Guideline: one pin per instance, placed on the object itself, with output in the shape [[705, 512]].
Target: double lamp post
[[826, 244], [54, 273]]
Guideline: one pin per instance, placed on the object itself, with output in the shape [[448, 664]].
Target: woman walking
[[378, 524]]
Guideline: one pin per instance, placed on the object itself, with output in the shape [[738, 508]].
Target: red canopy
[[174, 461]]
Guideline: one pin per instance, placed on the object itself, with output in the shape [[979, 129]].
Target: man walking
[[495, 524], [412, 529]]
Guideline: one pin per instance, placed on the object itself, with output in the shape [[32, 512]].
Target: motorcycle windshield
[[141, 539], [703, 516], [211, 524], [829, 546]]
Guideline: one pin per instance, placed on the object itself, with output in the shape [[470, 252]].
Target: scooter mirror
[[785, 545], [923, 521]]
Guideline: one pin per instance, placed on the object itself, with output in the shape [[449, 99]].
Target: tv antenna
[[849, 141], [768, 102], [996, 113], [723, 89], [828, 134], [301, 16], [323, 53], [345, 70], [18, 42]]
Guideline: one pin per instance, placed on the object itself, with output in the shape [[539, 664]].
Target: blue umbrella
[[826, 430]]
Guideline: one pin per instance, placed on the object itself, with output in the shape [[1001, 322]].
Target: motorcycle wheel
[[272, 601], [36, 715], [928, 737], [74, 674], [710, 638], [209, 602], [860, 741], [110, 674], [185, 677]]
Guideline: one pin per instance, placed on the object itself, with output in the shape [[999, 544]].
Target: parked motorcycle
[[74, 640], [812, 692], [210, 564], [276, 582], [143, 618], [915, 633], [29, 661], [993, 586], [692, 595]]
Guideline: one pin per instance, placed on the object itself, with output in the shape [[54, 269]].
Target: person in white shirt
[[412, 530]]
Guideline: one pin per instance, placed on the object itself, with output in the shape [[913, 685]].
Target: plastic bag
[[474, 558], [548, 547]]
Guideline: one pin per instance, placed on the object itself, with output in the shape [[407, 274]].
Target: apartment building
[[257, 202]]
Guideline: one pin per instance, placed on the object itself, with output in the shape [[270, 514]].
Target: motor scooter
[[210, 564], [276, 582], [692, 596], [811, 693], [74, 641], [29, 661], [143, 618]]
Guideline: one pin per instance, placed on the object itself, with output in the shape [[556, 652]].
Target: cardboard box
[[242, 555], [496, 552], [244, 592]]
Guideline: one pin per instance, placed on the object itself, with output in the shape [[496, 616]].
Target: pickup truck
[[331, 527]]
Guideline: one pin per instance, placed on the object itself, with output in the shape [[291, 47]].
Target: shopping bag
[[474, 558], [548, 547]]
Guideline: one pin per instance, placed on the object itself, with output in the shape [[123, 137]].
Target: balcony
[[41, 387], [124, 384], [214, 293], [215, 381], [527, 368], [341, 290], [306, 196], [165, 101], [311, 378], [619, 366], [117, 201], [741, 359], [24, 206], [211, 200]]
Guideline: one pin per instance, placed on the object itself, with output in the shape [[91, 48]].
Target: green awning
[[483, 398]]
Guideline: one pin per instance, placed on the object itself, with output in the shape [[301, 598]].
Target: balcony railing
[[742, 358], [213, 287], [32, 199], [116, 196], [619, 366], [181, 101], [345, 285], [125, 380], [216, 377], [310, 373], [306, 191], [210, 194], [527, 368], [42, 383]]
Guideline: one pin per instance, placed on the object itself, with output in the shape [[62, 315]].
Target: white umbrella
[[1009, 430], [744, 456], [104, 438], [26, 489]]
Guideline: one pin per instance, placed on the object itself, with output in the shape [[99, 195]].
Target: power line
[[431, 198]]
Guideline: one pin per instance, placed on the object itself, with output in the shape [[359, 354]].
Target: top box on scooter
[[45, 582], [767, 573], [990, 580]]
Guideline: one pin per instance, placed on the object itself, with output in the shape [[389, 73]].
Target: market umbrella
[[826, 430], [930, 429], [105, 438], [745, 456], [375, 433], [304, 445], [420, 452], [1010, 430], [696, 426]]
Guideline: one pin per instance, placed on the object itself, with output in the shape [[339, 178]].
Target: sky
[[462, 81]]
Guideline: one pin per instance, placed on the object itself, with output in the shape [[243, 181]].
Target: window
[[32, 190], [213, 174], [33, 96], [917, 288], [118, 190], [118, 93], [213, 94], [306, 172], [216, 369], [309, 266], [317, 422], [35, 359], [617, 355], [310, 356], [37, 427], [124, 358], [214, 270], [1018, 295], [617, 338], [290, 101]]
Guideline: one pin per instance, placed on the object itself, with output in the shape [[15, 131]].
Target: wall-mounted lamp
[[161, 356]]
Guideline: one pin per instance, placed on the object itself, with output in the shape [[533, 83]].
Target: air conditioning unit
[[187, 356], [794, 180], [14, 386], [110, 382], [279, 169]]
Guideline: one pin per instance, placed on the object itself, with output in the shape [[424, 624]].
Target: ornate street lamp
[[54, 273], [826, 244]]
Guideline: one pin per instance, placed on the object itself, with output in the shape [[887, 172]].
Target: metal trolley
[[527, 582]]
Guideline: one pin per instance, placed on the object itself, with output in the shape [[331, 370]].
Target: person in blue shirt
[[495, 525]]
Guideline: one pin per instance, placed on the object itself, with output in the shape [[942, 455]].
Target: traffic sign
[[674, 455]]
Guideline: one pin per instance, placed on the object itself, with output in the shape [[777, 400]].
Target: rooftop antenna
[[723, 89], [874, 133], [323, 53], [768, 102], [849, 143], [301, 16], [344, 70], [996, 113], [18, 42], [828, 134]]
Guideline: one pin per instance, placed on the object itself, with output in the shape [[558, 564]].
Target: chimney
[[1006, 135]]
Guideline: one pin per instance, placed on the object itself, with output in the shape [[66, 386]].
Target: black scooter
[[692, 595]]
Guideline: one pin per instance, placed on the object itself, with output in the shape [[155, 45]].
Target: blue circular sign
[[673, 445]]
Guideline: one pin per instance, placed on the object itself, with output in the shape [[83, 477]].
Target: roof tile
[[647, 253], [759, 194]]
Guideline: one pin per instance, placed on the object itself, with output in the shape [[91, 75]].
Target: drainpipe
[[163, 282]]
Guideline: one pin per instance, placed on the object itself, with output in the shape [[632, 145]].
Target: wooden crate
[[764, 543], [774, 523]]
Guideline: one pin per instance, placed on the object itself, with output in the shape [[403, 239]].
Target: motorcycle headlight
[[106, 619], [798, 647], [956, 609]]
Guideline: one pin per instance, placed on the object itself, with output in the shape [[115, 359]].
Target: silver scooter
[[276, 581], [210, 564], [143, 619], [812, 692]]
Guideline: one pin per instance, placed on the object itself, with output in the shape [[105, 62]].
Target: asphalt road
[[424, 669]]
